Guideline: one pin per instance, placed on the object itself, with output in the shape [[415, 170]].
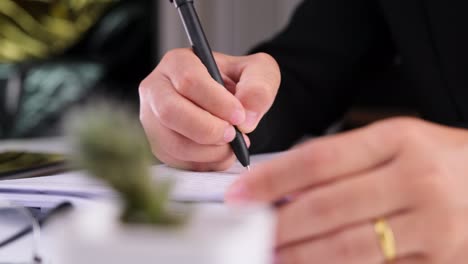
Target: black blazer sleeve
[[328, 45]]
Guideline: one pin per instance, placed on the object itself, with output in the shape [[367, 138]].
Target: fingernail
[[238, 117], [251, 119], [229, 134], [237, 193]]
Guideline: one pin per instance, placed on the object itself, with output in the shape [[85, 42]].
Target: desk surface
[[46, 144], [20, 251]]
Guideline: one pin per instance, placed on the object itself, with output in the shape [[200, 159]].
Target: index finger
[[191, 79], [319, 162]]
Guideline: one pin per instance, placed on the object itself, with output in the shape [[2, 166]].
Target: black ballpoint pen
[[202, 49]]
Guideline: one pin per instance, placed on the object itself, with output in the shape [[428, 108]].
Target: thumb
[[257, 88]]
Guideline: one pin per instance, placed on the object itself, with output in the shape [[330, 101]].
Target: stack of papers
[[76, 186]]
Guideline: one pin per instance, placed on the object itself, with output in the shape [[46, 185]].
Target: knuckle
[[403, 122], [143, 87], [407, 126], [264, 57], [170, 55], [143, 114], [145, 106], [186, 82], [399, 132], [142, 117], [147, 84], [164, 111]]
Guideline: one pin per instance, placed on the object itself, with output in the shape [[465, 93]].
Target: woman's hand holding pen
[[347, 191], [188, 117]]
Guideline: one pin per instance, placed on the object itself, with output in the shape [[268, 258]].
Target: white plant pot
[[214, 235]]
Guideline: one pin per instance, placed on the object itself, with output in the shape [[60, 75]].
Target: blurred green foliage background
[[57, 54]]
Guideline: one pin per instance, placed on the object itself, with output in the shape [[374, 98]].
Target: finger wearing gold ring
[[327, 208], [358, 245]]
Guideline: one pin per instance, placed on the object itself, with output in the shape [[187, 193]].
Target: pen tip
[[248, 167]]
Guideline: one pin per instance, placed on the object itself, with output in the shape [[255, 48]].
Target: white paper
[[73, 184], [188, 186], [205, 186]]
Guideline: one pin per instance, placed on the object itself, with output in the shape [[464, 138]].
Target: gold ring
[[386, 239]]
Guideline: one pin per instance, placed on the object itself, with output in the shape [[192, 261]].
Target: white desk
[[20, 251], [46, 144]]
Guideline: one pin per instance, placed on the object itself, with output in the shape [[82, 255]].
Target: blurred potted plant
[[145, 226]]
